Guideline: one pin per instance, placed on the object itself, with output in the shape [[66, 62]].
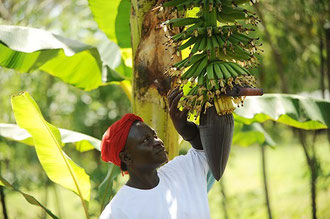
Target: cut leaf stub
[[219, 54]]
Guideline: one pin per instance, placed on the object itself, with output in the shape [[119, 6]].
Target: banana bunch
[[185, 4], [219, 54]]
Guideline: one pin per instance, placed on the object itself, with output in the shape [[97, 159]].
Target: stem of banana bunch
[[210, 21]]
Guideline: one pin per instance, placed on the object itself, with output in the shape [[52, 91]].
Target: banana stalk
[[219, 55], [216, 69]]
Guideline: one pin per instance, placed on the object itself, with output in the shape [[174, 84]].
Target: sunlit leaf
[[27, 197], [112, 18], [293, 110], [125, 70], [82, 142], [110, 53], [47, 140], [13, 132], [246, 135], [27, 49]]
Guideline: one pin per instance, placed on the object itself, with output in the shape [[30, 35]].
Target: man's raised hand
[[179, 118]]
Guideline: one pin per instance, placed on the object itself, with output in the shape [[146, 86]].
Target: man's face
[[144, 147]]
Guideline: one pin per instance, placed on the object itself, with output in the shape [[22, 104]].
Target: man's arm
[[188, 130]]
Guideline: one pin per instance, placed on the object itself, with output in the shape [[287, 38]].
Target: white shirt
[[180, 194]]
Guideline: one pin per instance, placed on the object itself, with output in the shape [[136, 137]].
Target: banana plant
[[246, 135], [220, 53], [29, 198], [82, 141], [293, 110], [47, 140], [28, 49]]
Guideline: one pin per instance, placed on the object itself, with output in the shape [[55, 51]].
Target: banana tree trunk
[[151, 60]]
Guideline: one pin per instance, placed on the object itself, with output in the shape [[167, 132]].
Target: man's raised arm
[[188, 130]]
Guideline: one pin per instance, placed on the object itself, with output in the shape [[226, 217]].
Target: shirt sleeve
[[193, 163]]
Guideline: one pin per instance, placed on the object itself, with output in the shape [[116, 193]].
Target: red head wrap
[[114, 139]]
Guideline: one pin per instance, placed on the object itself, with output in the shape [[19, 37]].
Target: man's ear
[[125, 157]]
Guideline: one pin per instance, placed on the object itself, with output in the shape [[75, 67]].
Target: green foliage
[[112, 18], [297, 42], [28, 198], [105, 189], [82, 142], [58, 166], [27, 49], [246, 135], [293, 110]]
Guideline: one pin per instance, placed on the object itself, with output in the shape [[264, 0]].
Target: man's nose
[[158, 141]]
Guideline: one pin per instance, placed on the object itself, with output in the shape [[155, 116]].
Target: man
[[177, 189]]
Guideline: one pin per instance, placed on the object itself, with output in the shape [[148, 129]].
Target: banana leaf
[[113, 19], [81, 141], [47, 140], [293, 110], [32, 200], [246, 135], [27, 49], [105, 189]]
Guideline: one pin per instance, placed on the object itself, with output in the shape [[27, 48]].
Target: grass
[[287, 179], [288, 185]]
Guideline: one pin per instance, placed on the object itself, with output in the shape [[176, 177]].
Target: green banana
[[198, 73], [223, 18], [202, 64], [193, 91], [190, 71], [190, 42], [197, 3], [239, 52], [201, 80], [230, 70], [235, 13], [181, 22], [185, 5], [191, 30], [208, 44], [196, 46], [217, 71], [172, 3], [239, 2], [225, 72], [242, 37], [240, 70], [210, 72], [195, 58], [202, 45], [181, 64], [215, 43], [234, 40], [220, 41]]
